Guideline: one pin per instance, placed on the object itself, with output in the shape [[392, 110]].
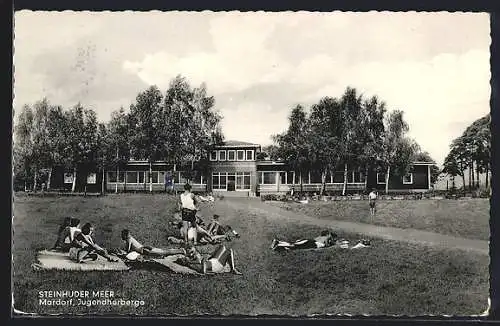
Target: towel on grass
[[54, 260], [170, 263]]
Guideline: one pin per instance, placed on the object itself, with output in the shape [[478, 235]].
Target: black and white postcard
[[251, 163]]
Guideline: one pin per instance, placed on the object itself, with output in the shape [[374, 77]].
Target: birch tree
[[397, 148], [146, 126]]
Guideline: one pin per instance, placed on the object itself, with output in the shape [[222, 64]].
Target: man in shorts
[[372, 199], [188, 207]]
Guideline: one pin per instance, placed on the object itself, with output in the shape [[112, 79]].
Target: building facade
[[234, 170]]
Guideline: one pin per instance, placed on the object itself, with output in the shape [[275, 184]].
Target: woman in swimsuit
[[131, 244], [84, 247]]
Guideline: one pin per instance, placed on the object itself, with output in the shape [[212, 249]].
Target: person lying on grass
[[84, 248], [66, 235], [326, 239], [220, 261], [194, 235], [214, 228], [131, 245]]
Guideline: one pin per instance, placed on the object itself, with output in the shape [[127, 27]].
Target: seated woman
[[197, 233], [66, 223], [84, 248], [131, 244], [66, 236], [215, 229], [326, 239], [220, 261]]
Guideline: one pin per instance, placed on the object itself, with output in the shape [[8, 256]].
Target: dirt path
[[389, 233]]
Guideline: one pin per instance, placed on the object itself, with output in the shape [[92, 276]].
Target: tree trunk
[[463, 180], [344, 188], [486, 181], [49, 178], [477, 176], [387, 180], [301, 184], [103, 190], [366, 178], [73, 186], [191, 175], [117, 178], [150, 177], [471, 175], [35, 181], [323, 183], [25, 185]]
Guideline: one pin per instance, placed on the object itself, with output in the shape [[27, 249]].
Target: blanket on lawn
[[172, 263], [54, 260], [168, 262]]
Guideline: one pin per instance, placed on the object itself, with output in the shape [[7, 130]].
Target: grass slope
[[461, 218], [389, 278]]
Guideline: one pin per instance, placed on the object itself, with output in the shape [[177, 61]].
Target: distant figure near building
[[372, 199]]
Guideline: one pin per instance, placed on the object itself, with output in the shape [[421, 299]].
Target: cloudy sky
[[434, 66]]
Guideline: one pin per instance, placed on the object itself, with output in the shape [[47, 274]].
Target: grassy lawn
[[388, 278], [461, 218]]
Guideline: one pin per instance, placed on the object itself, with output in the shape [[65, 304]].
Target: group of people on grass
[[79, 242], [192, 228]]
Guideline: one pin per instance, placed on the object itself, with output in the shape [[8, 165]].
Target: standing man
[[372, 198], [187, 205]]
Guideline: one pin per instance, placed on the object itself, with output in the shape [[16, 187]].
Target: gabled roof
[[237, 143]]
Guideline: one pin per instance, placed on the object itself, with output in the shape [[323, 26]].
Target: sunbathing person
[[60, 239], [194, 233], [84, 248], [220, 261], [66, 235], [131, 245], [326, 239], [216, 229]]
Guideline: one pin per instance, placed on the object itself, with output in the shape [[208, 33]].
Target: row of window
[[231, 181], [232, 155], [267, 177], [407, 179], [158, 177], [237, 180]]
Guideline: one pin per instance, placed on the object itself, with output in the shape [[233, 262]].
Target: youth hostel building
[[234, 170]]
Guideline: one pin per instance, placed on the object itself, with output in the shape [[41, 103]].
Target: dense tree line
[[180, 125], [470, 153], [350, 131]]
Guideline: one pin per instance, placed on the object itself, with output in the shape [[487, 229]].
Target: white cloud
[[253, 122], [240, 58], [434, 66], [433, 94]]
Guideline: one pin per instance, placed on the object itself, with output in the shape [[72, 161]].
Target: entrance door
[[231, 180]]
